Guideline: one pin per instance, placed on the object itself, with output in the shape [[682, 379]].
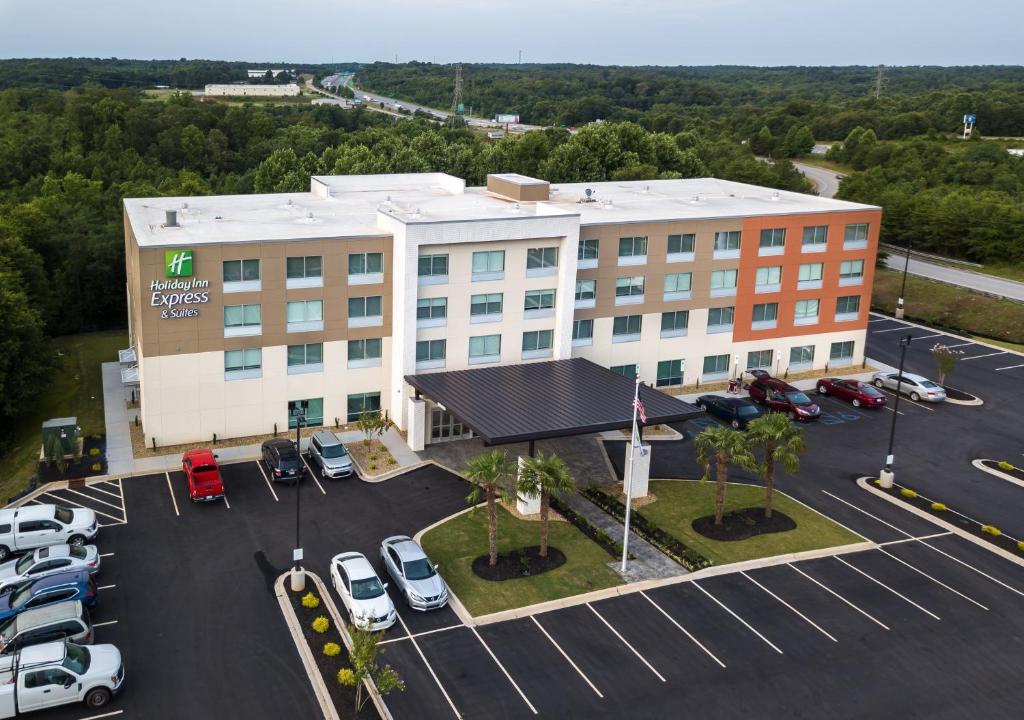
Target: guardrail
[[896, 249]]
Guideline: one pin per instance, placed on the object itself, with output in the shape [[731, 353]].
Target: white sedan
[[362, 592], [49, 561]]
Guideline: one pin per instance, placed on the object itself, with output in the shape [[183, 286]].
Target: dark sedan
[[735, 411], [855, 392]]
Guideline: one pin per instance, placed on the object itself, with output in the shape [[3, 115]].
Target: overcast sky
[[633, 32]]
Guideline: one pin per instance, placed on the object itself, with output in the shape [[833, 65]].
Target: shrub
[[1005, 466], [309, 600], [940, 507], [610, 545], [347, 677], [96, 467], [1020, 545], [372, 456], [321, 624], [373, 466], [991, 530], [93, 452], [908, 493], [389, 459], [331, 649]]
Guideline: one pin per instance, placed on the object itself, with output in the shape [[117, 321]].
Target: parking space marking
[[105, 492], [430, 669], [1010, 367], [104, 715], [925, 337], [684, 630], [975, 357], [566, 656], [312, 475], [267, 481], [95, 499], [421, 634], [502, 668], [873, 517], [912, 539], [103, 555], [64, 501], [934, 580], [967, 565], [827, 589], [226, 503], [899, 327], [106, 587], [882, 584], [797, 612], [103, 624], [879, 319], [749, 627], [170, 489], [961, 345], [906, 399], [631, 648]]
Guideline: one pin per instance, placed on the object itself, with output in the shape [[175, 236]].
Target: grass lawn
[[454, 544], [950, 307], [77, 390], [682, 501]]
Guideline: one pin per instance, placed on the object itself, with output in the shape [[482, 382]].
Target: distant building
[[1016, 152], [291, 89], [257, 73], [341, 102]]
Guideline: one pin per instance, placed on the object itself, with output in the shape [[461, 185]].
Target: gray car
[[413, 573], [326, 450], [916, 387]]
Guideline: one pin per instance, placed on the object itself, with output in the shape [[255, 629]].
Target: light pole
[[886, 476], [903, 286], [298, 580]]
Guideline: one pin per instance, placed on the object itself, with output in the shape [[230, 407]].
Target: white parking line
[[967, 565], [962, 345], [65, 501], [912, 539], [827, 589], [901, 327], [745, 623], [934, 580], [104, 624], [881, 319], [898, 412], [887, 391], [925, 337], [420, 634], [632, 649], [1009, 367], [113, 713], [313, 475], [566, 656], [226, 503], [684, 630], [429, 668], [103, 555], [106, 587], [873, 517], [170, 489], [105, 492], [882, 584], [267, 480], [96, 499], [502, 668], [975, 357], [797, 612]]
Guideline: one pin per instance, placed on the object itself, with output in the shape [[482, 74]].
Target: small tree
[[779, 441], [368, 423], [365, 666], [945, 359], [723, 446], [490, 475], [55, 452], [544, 475]]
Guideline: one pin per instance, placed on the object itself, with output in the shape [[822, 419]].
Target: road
[[980, 282], [826, 182]]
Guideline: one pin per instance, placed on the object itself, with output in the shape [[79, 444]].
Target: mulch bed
[[81, 468], [344, 697], [955, 394], [524, 562], [994, 465], [743, 524]]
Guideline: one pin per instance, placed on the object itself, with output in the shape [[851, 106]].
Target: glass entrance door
[[444, 426]]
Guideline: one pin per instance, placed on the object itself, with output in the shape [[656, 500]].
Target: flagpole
[[629, 478]]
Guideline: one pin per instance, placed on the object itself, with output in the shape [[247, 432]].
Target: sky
[[624, 32]]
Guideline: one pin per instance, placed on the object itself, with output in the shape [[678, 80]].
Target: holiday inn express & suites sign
[[177, 295]]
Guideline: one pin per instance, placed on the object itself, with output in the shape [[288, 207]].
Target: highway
[[826, 182], [977, 281]]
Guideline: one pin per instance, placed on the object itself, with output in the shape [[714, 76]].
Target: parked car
[[916, 387], [413, 573], [203, 475], [735, 411], [76, 585], [857, 393], [782, 397], [64, 620], [326, 450], [32, 526], [59, 673], [49, 561], [282, 460], [362, 592]]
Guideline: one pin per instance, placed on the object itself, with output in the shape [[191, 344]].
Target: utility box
[[66, 429]]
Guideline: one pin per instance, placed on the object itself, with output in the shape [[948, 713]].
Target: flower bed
[[372, 457], [612, 546], [954, 394]]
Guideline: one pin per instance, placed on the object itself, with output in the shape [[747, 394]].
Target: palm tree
[[544, 475], [724, 446], [779, 441], [490, 475]]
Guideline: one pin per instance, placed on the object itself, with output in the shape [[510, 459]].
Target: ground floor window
[[802, 355], [629, 371], [841, 352], [759, 359], [362, 403], [716, 364], [670, 372], [445, 426], [313, 409]]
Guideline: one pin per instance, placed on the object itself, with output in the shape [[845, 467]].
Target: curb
[[998, 473], [453, 601], [315, 678], [976, 402], [864, 483]]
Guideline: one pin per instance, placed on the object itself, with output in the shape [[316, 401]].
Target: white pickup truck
[[33, 526], [58, 673]]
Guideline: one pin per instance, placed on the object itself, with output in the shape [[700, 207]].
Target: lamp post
[[903, 286], [298, 578], [886, 476]]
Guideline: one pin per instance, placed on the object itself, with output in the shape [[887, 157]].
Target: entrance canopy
[[534, 401]]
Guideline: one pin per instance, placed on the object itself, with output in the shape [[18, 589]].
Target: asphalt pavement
[[976, 281], [826, 182]]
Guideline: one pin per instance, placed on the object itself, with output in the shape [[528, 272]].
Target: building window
[[541, 261], [582, 332], [768, 279], [305, 271], [806, 312], [855, 236], [362, 403], [537, 343], [305, 315], [759, 359], [841, 353], [485, 308], [626, 328], [801, 357], [629, 290], [847, 307], [675, 324], [312, 412], [431, 312], [723, 283], [715, 366], [586, 254], [851, 272], [633, 250], [433, 269], [365, 311], [677, 286], [489, 265], [538, 303], [720, 319], [680, 247], [236, 271], [242, 320], [365, 268], [630, 371], [364, 353], [773, 241], [586, 291], [815, 238], [243, 364], [670, 372], [430, 354], [484, 348], [308, 358], [765, 316], [727, 244], [809, 276]]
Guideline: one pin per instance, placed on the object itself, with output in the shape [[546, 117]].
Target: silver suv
[[326, 450]]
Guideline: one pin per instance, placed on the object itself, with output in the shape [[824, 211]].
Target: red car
[[778, 396], [204, 482], [859, 394]]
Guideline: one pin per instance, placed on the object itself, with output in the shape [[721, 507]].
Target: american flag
[[639, 405]]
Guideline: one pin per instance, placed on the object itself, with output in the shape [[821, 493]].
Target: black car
[[282, 460], [735, 411]]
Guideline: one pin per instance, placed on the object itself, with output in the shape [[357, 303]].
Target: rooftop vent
[[608, 204], [695, 199], [775, 195], [588, 196], [171, 218]]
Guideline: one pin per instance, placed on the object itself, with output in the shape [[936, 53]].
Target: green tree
[[799, 141], [547, 476], [778, 440], [722, 446], [364, 666], [490, 474], [26, 361], [764, 142], [945, 360]]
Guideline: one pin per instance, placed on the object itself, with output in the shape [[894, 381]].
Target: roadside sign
[[507, 118]]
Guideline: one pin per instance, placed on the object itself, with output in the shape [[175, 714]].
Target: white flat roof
[[341, 206]]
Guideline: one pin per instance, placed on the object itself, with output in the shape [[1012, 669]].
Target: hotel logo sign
[[178, 263], [178, 296]]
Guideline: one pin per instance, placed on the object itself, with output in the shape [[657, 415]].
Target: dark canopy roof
[[533, 401]]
